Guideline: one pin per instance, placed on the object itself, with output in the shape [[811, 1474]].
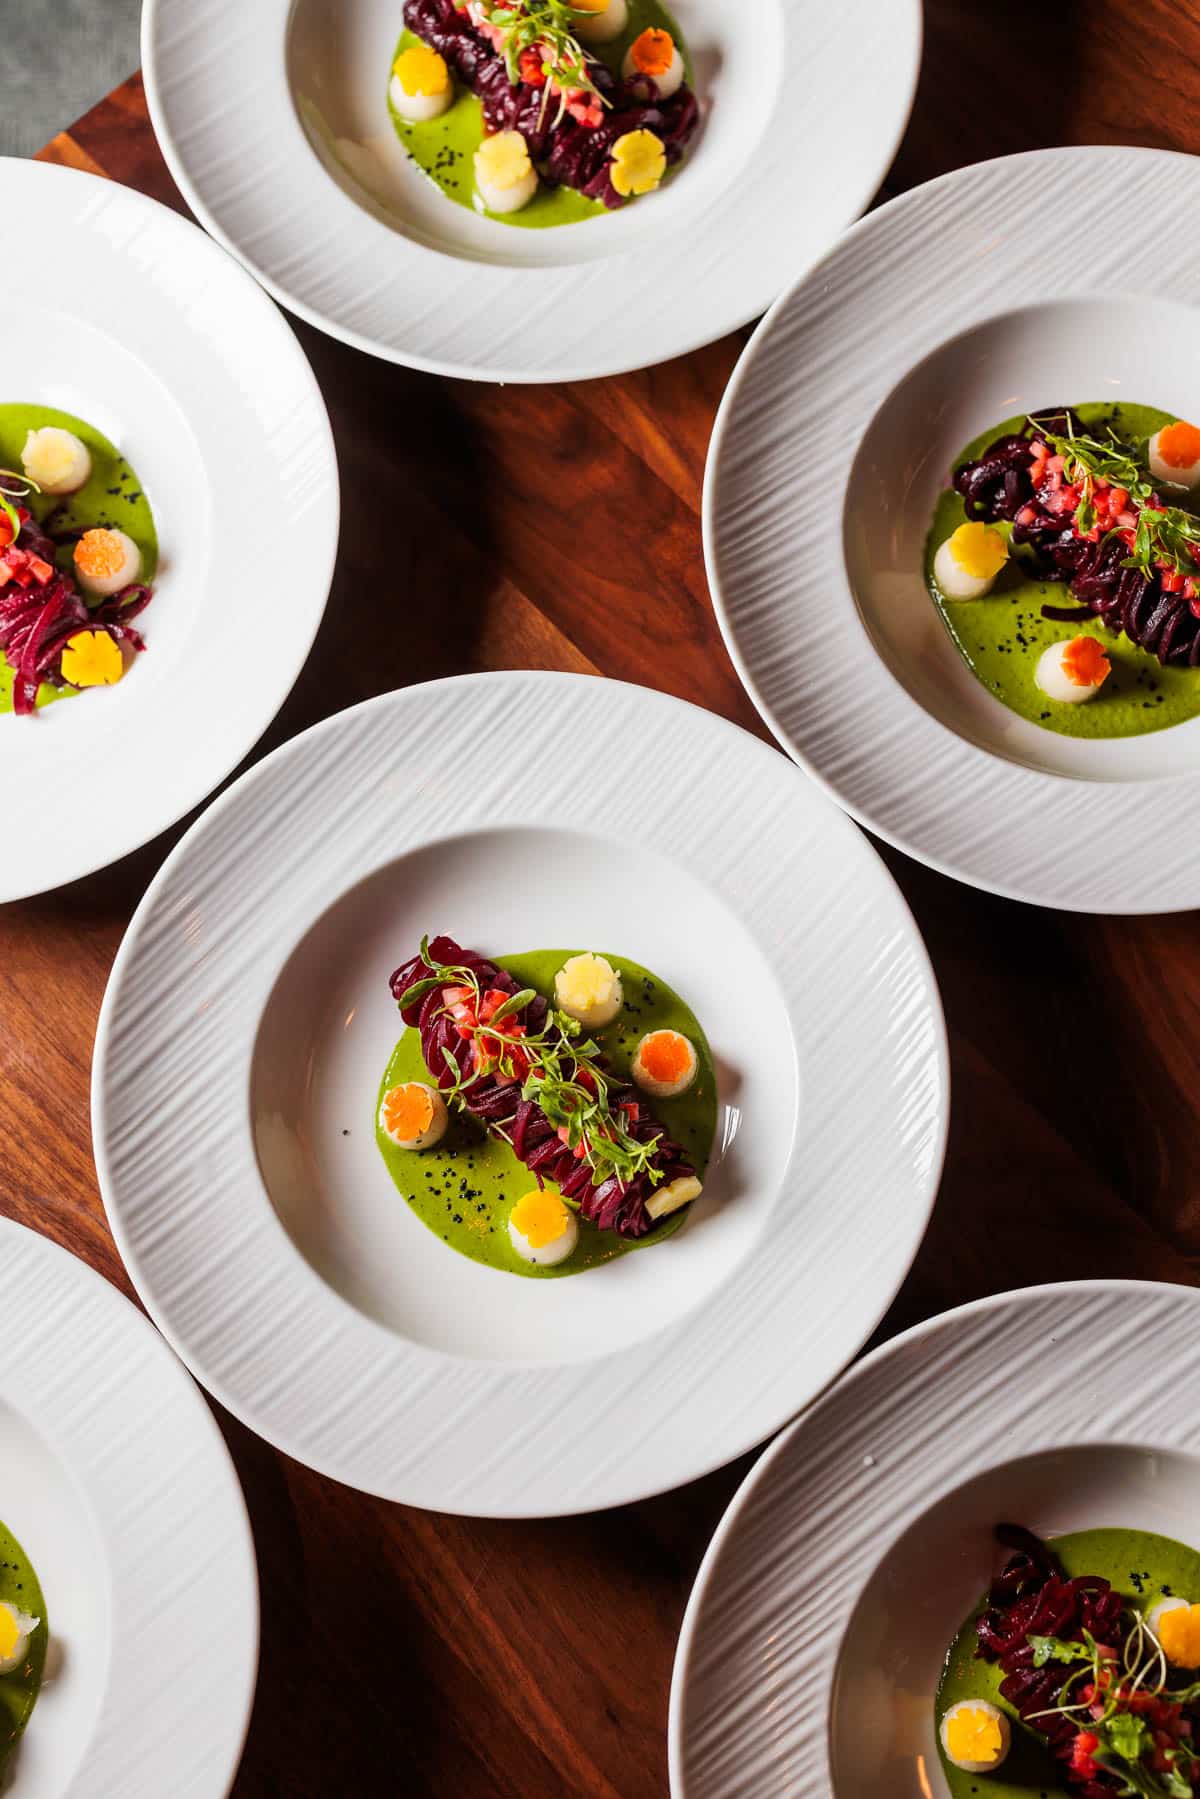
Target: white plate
[[820, 1619], [284, 148], [939, 315], [164, 344], [248, 1021], [118, 1486]]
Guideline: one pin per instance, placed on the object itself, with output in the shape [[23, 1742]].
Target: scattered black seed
[[345, 1133]]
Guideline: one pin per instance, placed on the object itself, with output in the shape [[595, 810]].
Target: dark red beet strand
[[535, 1141], [998, 486], [565, 152]]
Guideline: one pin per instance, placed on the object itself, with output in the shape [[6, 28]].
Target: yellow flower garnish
[[979, 550], [541, 1218], [1179, 1634], [9, 1633], [973, 1735], [503, 160], [92, 659], [421, 71], [639, 162]]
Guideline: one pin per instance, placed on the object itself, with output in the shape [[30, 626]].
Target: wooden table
[[405, 1653]]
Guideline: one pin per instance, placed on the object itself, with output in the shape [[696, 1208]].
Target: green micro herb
[[547, 26], [562, 1072], [1055, 1649]]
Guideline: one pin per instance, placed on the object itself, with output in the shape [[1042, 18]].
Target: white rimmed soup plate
[[938, 316], [285, 150], [119, 1488], [165, 345], [251, 995], [822, 1615]]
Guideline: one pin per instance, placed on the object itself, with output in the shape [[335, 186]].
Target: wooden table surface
[[406, 1653]]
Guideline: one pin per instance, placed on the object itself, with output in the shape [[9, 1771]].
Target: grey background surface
[[57, 58]]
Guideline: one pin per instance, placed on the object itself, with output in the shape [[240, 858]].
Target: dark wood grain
[[405, 1653]]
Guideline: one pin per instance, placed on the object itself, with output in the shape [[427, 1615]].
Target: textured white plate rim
[[735, 316], [949, 1323], [337, 1466], [293, 646], [239, 1561], [869, 817]]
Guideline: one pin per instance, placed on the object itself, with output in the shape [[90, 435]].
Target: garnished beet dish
[[528, 1071], [1092, 517], [549, 98]]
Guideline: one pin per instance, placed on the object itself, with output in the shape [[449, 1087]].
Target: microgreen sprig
[[1124, 1736], [563, 1072], [1165, 536], [546, 26]]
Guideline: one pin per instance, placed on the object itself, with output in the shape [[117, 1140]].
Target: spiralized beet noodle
[[39, 612], [1032, 1596], [998, 486], [564, 150], [610, 1206]]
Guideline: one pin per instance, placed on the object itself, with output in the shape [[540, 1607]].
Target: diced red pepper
[[1082, 1750], [532, 66], [1171, 580], [42, 571]]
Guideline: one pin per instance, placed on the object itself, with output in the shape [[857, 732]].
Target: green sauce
[[463, 1190], [112, 496], [445, 147], [1141, 1566], [1001, 636], [19, 1690]]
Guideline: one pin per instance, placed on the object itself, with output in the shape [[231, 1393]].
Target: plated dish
[[156, 432], [541, 113], [122, 1518], [306, 116], [821, 492], [78, 550], [1088, 1649], [547, 1112], [358, 1339], [860, 1568], [1077, 526]]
